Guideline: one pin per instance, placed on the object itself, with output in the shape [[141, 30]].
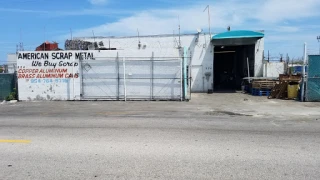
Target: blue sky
[[287, 23]]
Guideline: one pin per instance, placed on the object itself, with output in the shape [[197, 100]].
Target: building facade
[[158, 67]]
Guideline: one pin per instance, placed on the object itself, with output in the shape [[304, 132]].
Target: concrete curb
[[13, 101]]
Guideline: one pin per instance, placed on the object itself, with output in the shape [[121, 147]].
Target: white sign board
[[50, 75]]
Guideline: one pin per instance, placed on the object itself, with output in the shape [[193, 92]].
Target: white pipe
[[304, 72], [181, 87], [248, 70], [73, 79], [124, 79]]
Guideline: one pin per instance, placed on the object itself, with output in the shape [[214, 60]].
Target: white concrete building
[[145, 67], [216, 62]]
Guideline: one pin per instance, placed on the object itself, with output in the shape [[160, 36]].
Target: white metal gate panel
[[137, 82], [132, 79], [167, 79], [100, 79]]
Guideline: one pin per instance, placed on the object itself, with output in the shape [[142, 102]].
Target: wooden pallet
[[263, 84], [261, 92]]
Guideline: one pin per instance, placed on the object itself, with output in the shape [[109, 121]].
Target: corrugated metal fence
[[133, 79], [313, 79], [7, 84]]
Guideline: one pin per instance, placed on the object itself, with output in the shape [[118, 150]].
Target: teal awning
[[238, 35]]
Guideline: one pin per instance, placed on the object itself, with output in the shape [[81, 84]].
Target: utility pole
[[318, 38]]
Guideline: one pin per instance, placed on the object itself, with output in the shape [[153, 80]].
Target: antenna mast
[[138, 35], [44, 38], [109, 41], [139, 44], [179, 33], [20, 46], [94, 40], [209, 21], [71, 34]]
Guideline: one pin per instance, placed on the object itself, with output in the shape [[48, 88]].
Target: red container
[[46, 46]]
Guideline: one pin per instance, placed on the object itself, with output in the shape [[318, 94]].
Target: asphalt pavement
[[152, 140]]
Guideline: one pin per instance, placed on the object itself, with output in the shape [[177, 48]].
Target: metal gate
[[132, 79], [7, 84], [313, 79]]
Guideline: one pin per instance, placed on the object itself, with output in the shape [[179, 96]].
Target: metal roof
[[238, 34]]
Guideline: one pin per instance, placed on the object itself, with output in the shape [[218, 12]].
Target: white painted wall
[[199, 49], [259, 58], [33, 86], [273, 69], [12, 63]]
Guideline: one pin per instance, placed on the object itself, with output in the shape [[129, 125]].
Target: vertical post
[[118, 71], [190, 73], [248, 70], [81, 78], [124, 79], [185, 73], [181, 81], [73, 84], [304, 72], [152, 75]]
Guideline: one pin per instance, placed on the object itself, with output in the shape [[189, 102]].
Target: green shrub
[[13, 95]]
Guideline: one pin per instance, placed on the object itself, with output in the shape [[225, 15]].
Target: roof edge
[[239, 34]]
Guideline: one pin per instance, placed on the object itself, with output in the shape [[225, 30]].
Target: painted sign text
[[56, 55]]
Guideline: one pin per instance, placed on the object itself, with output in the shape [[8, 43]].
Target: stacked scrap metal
[[80, 45]]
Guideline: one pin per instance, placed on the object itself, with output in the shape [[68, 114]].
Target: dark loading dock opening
[[230, 66]]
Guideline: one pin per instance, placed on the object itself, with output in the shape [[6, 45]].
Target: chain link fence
[[313, 79]]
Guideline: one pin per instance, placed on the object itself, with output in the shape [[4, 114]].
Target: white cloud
[[287, 29], [21, 10], [271, 14], [277, 11], [65, 13], [98, 2], [165, 21], [281, 19]]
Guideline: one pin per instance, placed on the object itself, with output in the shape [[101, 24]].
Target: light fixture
[[199, 31]]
